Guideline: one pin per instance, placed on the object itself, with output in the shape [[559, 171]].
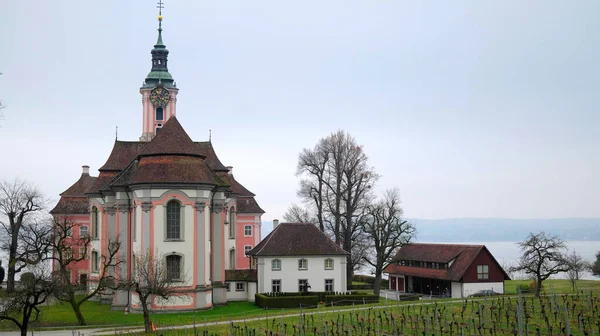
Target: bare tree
[[19, 306], [298, 214], [337, 181], [576, 265], [542, 256], [151, 278], [19, 203], [387, 231], [67, 252], [313, 165], [595, 266]]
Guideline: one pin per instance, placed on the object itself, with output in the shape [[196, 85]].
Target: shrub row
[[283, 301], [367, 286], [311, 299]]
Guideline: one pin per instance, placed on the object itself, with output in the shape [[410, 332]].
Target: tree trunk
[[377, 283], [538, 287], [77, 311], [146, 313], [12, 264], [24, 325]]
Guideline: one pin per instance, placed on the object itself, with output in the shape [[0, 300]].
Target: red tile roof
[[82, 186], [71, 206], [462, 257], [122, 154], [172, 169], [248, 205], [207, 149], [172, 139], [296, 239], [236, 187]]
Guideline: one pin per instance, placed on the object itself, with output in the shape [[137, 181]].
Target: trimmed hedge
[[285, 301]]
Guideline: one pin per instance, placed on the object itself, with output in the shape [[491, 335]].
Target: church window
[[247, 230], [276, 265], [173, 220], [159, 113], [94, 222], [174, 267], [232, 259], [232, 223], [83, 231], [158, 127], [247, 249]]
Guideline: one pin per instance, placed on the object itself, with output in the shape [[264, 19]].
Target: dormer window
[[159, 113]]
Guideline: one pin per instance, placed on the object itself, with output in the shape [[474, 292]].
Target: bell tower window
[[158, 127], [159, 113]]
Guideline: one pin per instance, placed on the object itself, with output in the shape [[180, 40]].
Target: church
[[169, 194]]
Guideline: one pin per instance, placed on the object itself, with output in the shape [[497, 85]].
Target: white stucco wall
[[290, 274], [471, 288], [233, 295], [456, 289]]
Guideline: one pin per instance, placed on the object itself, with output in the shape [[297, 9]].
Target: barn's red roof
[[459, 257]]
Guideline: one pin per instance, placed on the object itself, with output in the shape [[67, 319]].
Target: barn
[[447, 270]]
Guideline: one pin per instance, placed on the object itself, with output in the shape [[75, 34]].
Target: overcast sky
[[470, 108]]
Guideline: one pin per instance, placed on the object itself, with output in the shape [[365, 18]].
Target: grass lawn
[[96, 314], [555, 286]]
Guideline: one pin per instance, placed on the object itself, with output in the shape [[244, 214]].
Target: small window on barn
[[483, 272]]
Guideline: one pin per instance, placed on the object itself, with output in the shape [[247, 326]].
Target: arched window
[[173, 220], [94, 222], [276, 265], [232, 259], [174, 267], [159, 113], [231, 222]]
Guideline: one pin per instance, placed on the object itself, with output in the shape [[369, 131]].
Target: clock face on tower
[[159, 96]]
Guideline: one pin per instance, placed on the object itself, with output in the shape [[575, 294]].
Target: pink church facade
[[170, 195]]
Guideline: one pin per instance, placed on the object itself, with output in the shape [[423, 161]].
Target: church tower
[[159, 91]]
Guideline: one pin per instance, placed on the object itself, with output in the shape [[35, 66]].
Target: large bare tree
[[19, 306], [337, 181], [388, 232], [20, 202], [152, 279], [297, 214], [67, 252], [576, 266], [543, 255]]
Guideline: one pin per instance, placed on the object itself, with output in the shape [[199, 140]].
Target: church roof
[[73, 200], [208, 150], [122, 154], [172, 140], [236, 187], [172, 169], [248, 205], [82, 186], [296, 239]]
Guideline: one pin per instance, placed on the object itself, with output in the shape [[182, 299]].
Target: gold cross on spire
[[160, 8]]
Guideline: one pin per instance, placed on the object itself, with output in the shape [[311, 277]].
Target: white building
[[296, 254]]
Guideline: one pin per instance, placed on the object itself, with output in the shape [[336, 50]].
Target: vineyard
[[574, 314]]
